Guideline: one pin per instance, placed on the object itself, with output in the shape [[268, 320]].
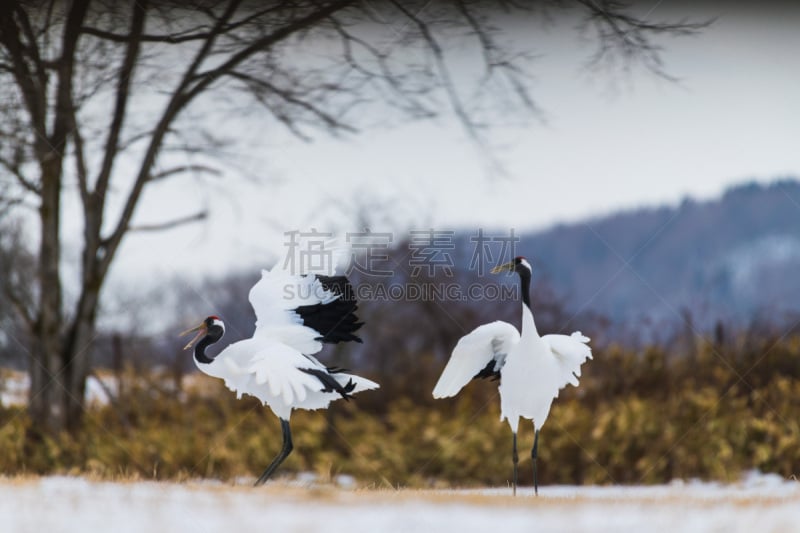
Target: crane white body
[[271, 371], [536, 370], [532, 369]]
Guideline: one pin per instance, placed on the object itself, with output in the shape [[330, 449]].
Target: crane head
[[211, 323], [519, 265]]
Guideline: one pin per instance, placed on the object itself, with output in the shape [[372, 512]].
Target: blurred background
[[154, 157]]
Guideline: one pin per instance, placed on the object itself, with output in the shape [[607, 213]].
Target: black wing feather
[[488, 372], [335, 321], [330, 383]]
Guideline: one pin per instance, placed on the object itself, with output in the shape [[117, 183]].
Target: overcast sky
[[606, 143]]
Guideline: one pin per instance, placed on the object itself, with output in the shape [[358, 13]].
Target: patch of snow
[[14, 387], [96, 392], [743, 261], [64, 504], [346, 481], [756, 479]]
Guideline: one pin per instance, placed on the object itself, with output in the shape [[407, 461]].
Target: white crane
[[295, 315], [532, 369]]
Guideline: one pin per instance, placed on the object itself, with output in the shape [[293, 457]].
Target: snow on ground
[[64, 504], [13, 387], [15, 384]]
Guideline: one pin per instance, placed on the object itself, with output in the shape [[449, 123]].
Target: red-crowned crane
[[295, 315], [531, 368]]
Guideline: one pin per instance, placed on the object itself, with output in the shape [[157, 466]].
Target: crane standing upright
[[532, 368]]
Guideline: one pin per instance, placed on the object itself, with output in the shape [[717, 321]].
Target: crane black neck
[[525, 286], [214, 335]]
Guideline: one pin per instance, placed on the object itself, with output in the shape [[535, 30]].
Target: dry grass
[[637, 419]]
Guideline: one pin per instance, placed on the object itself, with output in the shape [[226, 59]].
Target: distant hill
[[722, 259]]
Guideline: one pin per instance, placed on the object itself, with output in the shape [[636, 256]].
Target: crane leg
[[284, 453], [534, 455], [515, 458]]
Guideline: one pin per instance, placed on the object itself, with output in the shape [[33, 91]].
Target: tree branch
[[181, 169], [81, 170], [186, 92], [13, 167], [444, 73], [170, 224], [133, 139], [181, 37], [21, 305], [25, 23], [488, 46], [8, 203], [120, 106], [291, 98], [64, 108], [493, 60], [204, 79], [176, 104], [33, 96], [16, 263], [385, 74], [630, 37], [127, 38]]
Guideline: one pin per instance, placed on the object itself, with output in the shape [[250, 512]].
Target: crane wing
[[282, 377], [273, 371], [334, 320], [570, 352], [480, 353], [303, 311], [278, 293]]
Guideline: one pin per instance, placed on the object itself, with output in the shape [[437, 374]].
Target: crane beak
[[506, 267], [201, 331]]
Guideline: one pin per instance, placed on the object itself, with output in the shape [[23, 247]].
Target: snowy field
[[61, 504]]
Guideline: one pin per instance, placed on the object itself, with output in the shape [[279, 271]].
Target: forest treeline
[[639, 416]]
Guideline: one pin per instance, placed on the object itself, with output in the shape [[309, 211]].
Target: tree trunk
[[54, 388], [76, 354], [48, 388]]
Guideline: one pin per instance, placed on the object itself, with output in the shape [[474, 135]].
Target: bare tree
[[73, 72]]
